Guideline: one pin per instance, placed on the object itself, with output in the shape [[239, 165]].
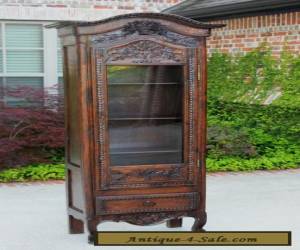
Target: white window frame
[[49, 50]]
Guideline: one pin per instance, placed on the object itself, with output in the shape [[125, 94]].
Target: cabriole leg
[[92, 228], [199, 223]]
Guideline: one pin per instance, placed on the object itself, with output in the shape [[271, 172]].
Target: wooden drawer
[[145, 203]]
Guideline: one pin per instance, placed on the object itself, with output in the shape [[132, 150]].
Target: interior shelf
[[143, 118], [145, 83], [144, 152]]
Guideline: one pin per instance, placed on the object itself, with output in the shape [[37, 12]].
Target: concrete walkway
[[33, 216]]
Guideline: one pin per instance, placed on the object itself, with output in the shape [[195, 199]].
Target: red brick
[[294, 42], [126, 7], [291, 38], [236, 40], [228, 37], [290, 47], [274, 20], [276, 43], [102, 7], [277, 39], [226, 41], [266, 34], [56, 5], [213, 41], [224, 50], [281, 33], [277, 47], [259, 21], [295, 18], [277, 18], [289, 19]]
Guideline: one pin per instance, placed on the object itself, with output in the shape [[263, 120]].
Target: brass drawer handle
[[149, 203]]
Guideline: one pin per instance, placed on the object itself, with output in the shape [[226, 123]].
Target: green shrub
[[243, 134], [226, 140], [33, 173], [252, 77], [268, 137], [280, 161]]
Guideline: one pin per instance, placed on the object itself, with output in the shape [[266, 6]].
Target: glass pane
[[32, 82], [60, 86], [59, 61], [0, 35], [23, 91], [1, 92], [24, 35], [28, 61], [59, 57], [145, 114], [1, 61]]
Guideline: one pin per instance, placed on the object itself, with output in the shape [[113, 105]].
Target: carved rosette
[[144, 51]]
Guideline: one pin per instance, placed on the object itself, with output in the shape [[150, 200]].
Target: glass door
[[145, 114]]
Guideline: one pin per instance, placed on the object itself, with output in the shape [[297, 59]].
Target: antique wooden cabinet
[[135, 99]]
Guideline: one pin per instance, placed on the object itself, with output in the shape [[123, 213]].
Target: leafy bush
[[33, 173], [280, 161], [243, 134], [255, 76], [31, 133], [250, 137], [225, 140]]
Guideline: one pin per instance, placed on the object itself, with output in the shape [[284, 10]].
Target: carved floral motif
[[144, 28], [148, 218], [138, 28], [144, 52], [148, 174]]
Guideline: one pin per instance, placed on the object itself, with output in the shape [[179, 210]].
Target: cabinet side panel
[[75, 200], [73, 132], [73, 143]]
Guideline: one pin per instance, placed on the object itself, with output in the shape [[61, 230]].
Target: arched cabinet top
[[140, 23]]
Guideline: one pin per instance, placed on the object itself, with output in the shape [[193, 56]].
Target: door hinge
[[198, 163]]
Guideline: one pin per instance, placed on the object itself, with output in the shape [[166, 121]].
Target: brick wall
[[77, 9], [243, 34]]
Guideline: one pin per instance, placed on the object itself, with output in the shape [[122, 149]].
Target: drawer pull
[[149, 203]]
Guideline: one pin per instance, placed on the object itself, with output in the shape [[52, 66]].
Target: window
[[59, 59], [24, 48], [21, 58], [60, 79], [16, 82], [30, 55]]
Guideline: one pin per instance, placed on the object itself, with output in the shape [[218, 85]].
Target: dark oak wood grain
[[135, 99]]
